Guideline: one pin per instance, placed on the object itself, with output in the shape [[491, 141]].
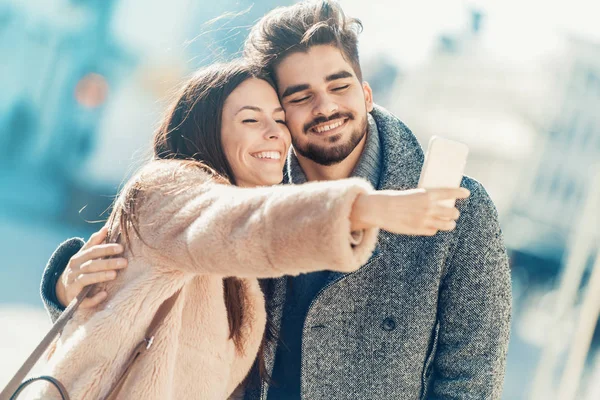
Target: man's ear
[[368, 96]]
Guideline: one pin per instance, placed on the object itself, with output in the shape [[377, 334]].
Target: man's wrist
[[54, 269], [60, 292]]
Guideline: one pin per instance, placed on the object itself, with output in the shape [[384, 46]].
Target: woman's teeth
[[325, 128], [272, 155]]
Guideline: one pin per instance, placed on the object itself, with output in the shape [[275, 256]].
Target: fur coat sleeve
[[201, 226]]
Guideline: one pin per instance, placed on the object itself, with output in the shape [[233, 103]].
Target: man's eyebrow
[[290, 90], [253, 108], [298, 88], [338, 75]]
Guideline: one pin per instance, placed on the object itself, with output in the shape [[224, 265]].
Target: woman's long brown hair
[[191, 132]]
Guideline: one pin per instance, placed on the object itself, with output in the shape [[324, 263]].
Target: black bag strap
[[59, 386]]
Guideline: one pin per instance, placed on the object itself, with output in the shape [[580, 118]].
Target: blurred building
[[548, 207], [85, 83], [532, 128], [497, 109], [57, 72]]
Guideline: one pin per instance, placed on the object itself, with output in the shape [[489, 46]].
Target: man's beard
[[331, 155]]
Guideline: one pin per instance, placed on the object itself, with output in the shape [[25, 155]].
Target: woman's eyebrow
[[253, 108]]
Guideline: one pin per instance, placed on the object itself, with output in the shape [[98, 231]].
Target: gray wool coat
[[425, 318]]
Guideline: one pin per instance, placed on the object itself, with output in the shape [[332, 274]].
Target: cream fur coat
[[196, 232]]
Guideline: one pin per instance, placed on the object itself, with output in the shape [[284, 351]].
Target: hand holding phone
[[444, 165]]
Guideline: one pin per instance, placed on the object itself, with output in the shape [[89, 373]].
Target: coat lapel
[[275, 292], [402, 153]]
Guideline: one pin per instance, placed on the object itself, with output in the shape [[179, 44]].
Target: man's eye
[[340, 88], [299, 100], [249, 120], [280, 121]]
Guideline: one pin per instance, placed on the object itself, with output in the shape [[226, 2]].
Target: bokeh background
[[83, 84]]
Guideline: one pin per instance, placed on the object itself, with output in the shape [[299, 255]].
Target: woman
[[203, 219]]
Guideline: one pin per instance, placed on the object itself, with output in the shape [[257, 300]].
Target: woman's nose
[[274, 131]]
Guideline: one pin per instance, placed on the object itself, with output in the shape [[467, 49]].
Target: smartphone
[[444, 165]]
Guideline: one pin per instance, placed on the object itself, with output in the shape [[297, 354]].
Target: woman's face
[[254, 136]]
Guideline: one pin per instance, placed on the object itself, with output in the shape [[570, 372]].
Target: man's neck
[[341, 170]]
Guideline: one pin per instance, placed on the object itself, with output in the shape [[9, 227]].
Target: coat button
[[388, 324]]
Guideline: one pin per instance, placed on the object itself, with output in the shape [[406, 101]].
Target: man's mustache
[[321, 120]]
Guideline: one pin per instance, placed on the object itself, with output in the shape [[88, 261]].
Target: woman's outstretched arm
[[201, 226]]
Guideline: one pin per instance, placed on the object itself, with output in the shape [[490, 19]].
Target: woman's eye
[[249, 120], [299, 100], [337, 89], [280, 121]]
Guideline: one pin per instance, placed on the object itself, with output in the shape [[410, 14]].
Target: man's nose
[[324, 106]]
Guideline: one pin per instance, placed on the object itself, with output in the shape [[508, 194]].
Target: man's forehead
[[317, 64]]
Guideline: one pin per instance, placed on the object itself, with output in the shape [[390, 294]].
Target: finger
[[450, 193], [96, 238], [445, 225], [96, 277], [97, 251], [103, 265], [447, 213], [93, 301], [428, 232]]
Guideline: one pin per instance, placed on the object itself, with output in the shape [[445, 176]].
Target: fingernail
[[118, 249], [121, 262], [112, 274]]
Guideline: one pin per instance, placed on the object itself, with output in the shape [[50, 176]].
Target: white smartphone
[[444, 165]]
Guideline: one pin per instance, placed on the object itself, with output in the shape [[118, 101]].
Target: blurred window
[[593, 81]]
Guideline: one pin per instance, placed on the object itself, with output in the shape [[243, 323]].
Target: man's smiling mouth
[[329, 126]]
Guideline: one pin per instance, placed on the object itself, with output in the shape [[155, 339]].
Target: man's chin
[[335, 138], [325, 155], [331, 150]]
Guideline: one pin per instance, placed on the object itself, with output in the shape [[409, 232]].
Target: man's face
[[325, 104]]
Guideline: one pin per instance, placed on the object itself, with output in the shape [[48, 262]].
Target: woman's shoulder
[[161, 180], [173, 172]]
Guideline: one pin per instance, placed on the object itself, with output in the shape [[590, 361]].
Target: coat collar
[[402, 153]]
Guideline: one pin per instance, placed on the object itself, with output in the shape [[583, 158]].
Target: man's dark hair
[[287, 30]]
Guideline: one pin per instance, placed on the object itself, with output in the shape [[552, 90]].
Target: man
[[426, 317]]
